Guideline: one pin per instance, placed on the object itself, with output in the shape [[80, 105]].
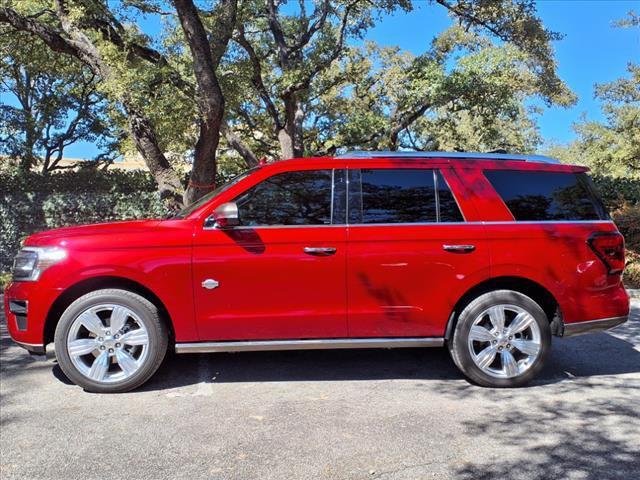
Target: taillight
[[609, 247]]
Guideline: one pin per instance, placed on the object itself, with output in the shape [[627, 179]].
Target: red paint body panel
[[402, 283], [269, 288], [155, 254], [556, 256], [382, 281]]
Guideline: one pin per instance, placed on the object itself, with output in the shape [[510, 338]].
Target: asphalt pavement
[[346, 414]]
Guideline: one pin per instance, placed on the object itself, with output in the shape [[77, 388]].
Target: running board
[[314, 344]]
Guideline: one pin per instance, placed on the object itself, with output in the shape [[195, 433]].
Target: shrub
[[32, 202], [627, 218], [617, 191]]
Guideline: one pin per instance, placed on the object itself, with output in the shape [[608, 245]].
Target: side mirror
[[224, 216]]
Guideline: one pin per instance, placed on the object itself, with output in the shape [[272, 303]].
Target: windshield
[[202, 200]]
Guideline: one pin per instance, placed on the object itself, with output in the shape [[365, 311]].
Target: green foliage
[[464, 93], [627, 217], [622, 197], [57, 103], [5, 278], [613, 146], [33, 202], [616, 191]]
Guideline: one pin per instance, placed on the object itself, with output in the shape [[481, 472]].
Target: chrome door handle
[[320, 251], [459, 248]]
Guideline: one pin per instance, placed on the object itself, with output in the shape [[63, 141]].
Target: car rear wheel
[[110, 341], [501, 339]]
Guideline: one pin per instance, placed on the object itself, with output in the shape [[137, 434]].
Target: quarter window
[[447, 205], [547, 196], [291, 198], [400, 196]]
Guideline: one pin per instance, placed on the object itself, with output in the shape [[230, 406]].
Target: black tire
[[459, 349], [148, 315]]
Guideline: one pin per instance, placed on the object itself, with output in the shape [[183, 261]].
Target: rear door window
[[547, 196], [400, 196]]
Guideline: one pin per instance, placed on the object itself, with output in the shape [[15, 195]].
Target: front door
[[281, 273], [411, 255]]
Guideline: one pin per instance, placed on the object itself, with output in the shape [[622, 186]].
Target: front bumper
[[26, 328], [35, 349], [601, 324]]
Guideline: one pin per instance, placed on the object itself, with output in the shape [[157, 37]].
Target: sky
[[592, 51]]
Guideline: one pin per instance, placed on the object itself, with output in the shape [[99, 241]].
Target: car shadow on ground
[[582, 356]]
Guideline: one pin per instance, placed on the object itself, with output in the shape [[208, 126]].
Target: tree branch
[[46, 33], [239, 146], [322, 65], [278, 34], [316, 26], [256, 77]]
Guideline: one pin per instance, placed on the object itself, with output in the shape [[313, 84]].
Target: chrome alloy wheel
[[504, 341], [108, 343]]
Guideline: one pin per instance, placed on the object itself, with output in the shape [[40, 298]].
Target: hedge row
[[33, 202], [617, 191]]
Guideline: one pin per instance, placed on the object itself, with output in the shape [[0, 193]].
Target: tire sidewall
[[148, 315], [459, 347]]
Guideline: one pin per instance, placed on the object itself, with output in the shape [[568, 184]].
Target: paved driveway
[[364, 414]]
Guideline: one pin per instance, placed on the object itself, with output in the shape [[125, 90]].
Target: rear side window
[[547, 196], [400, 196]]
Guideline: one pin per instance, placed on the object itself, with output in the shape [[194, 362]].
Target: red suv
[[488, 254]]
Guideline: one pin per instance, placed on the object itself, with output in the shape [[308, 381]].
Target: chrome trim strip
[[542, 222], [426, 224], [509, 222], [590, 326], [333, 186], [312, 344], [359, 154], [436, 194]]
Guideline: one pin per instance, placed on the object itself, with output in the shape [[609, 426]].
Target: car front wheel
[[501, 339], [110, 341]]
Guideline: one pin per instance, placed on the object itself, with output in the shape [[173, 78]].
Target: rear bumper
[[571, 329]]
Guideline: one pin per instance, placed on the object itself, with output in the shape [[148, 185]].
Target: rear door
[[411, 254], [281, 273]]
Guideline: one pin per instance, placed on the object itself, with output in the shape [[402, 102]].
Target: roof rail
[[466, 155]]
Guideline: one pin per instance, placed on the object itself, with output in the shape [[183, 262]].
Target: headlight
[[32, 261]]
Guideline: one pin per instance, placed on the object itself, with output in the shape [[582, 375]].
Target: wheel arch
[[537, 292], [75, 291]]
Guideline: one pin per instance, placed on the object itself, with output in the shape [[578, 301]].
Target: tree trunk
[[286, 143], [203, 172], [29, 158], [291, 136], [209, 94], [146, 143]]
